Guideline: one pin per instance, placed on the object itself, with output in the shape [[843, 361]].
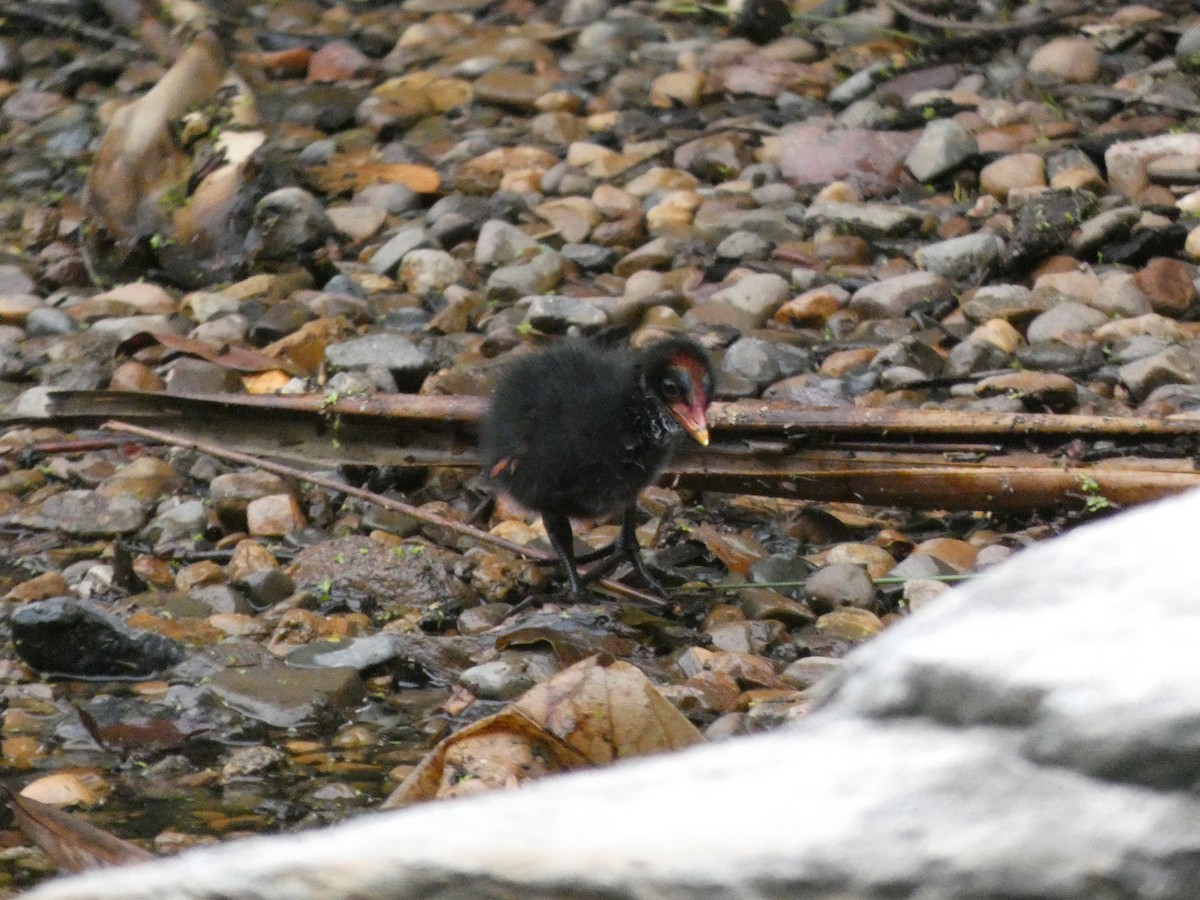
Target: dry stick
[[56, 23], [334, 484]]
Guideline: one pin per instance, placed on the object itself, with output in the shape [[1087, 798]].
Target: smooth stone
[[394, 352], [540, 274], [500, 243], [286, 697], [288, 221], [556, 314], [961, 258], [398, 246], [1171, 366], [83, 513], [839, 584], [508, 677], [182, 522], [866, 219], [1072, 59], [894, 297], [1064, 319], [944, 145]]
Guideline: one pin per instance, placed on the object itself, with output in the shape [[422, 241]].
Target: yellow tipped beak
[[693, 421]]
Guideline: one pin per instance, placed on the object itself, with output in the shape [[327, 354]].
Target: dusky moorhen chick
[[576, 432]]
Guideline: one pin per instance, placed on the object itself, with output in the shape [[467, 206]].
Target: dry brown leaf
[[353, 172], [266, 382], [737, 551], [607, 712], [305, 347], [240, 359], [73, 844], [138, 161], [593, 713]]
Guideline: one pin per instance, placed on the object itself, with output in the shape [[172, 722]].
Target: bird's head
[[678, 372]]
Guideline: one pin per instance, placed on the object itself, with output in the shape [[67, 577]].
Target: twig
[[59, 24], [334, 484]]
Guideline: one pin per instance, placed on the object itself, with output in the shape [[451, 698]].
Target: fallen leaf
[[593, 713], [353, 172], [73, 844], [737, 551]]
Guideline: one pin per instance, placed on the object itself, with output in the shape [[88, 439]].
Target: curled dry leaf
[[593, 713], [73, 844], [737, 551], [350, 172], [138, 160], [174, 183]]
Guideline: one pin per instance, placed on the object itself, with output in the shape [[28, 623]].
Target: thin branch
[[334, 484]]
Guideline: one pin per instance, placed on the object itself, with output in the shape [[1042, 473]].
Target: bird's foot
[[639, 566], [634, 556]]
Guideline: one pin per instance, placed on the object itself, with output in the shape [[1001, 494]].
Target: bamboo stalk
[[942, 460]]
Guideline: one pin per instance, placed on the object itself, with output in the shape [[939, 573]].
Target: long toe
[[652, 583]]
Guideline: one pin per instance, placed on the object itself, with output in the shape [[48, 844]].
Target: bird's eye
[[672, 388]]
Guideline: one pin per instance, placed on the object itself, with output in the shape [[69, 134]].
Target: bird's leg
[[562, 539], [626, 546], [628, 543]]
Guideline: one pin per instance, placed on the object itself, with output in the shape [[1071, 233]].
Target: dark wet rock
[[501, 243], [425, 270], [221, 598], [970, 357], [83, 513], [63, 638], [47, 321], [589, 256], [232, 492], [753, 299], [393, 198], [744, 245], [715, 157], [1187, 51], [412, 573], [1014, 303], [279, 320], [804, 673], [199, 376], [285, 697], [1045, 223], [811, 390], [778, 567], [1039, 391], [1104, 228]]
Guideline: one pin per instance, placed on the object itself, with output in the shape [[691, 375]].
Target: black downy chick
[[577, 432]]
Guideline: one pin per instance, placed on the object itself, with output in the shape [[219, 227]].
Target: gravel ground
[[858, 212]]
